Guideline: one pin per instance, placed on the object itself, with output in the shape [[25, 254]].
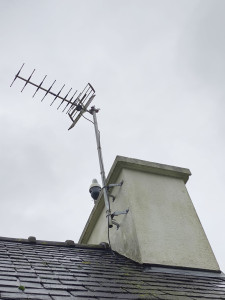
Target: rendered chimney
[[162, 227]]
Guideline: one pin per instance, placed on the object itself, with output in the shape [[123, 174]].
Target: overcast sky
[[158, 69]]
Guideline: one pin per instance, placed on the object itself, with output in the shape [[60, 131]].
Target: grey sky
[[158, 68]]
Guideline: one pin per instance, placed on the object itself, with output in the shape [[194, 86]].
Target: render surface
[[162, 226]]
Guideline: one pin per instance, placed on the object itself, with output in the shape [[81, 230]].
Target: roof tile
[[51, 271]]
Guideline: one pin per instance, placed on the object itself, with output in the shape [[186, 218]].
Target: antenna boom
[[43, 89], [79, 104]]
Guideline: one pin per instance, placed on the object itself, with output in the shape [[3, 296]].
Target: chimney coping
[[147, 166]]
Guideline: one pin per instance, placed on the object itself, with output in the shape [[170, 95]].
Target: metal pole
[[102, 171]]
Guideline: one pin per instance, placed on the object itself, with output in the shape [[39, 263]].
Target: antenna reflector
[[81, 113]]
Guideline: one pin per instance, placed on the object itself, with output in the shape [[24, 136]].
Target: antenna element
[[80, 103]]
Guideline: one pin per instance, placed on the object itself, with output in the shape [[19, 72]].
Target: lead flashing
[[148, 268]]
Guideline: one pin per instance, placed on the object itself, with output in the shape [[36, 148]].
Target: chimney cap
[[122, 162]]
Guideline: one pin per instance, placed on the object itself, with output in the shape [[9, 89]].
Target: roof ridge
[[67, 243]]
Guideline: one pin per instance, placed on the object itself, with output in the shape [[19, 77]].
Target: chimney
[[162, 227]]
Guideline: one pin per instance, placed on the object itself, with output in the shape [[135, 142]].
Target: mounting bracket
[[112, 196], [118, 213], [109, 186], [117, 224]]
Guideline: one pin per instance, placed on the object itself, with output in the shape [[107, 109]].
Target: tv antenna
[[75, 107]]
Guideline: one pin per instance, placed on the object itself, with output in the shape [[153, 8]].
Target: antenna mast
[[93, 111]]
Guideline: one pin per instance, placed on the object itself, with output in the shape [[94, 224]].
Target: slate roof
[[42, 270]]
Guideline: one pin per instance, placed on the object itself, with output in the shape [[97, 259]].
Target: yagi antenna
[[75, 107]]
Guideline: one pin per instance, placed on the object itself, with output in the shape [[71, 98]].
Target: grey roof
[[42, 270]]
